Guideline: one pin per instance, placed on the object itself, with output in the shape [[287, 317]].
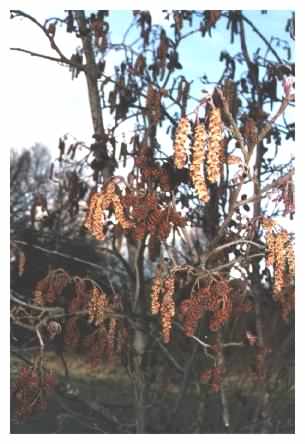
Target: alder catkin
[[181, 142], [197, 167], [214, 145], [167, 309]]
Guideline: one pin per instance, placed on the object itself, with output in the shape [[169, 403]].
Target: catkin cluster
[[166, 307], [119, 213], [192, 310], [181, 142], [280, 255], [214, 298], [207, 151], [197, 167], [148, 217], [48, 289], [95, 215], [98, 203]]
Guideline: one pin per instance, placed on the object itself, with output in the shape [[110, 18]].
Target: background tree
[[184, 209]]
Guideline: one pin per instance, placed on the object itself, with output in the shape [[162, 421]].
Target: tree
[[28, 175], [188, 216]]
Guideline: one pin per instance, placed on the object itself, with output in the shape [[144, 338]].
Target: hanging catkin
[[214, 148], [181, 142], [197, 168]]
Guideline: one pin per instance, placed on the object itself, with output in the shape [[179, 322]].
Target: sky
[[46, 104]]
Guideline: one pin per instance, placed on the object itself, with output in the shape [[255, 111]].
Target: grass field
[[96, 398]]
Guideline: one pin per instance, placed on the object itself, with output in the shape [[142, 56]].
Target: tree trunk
[[139, 395], [139, 340], [91, 75]]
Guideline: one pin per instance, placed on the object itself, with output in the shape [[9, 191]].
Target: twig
[[233, 262], [77, 259], [19, 13], [254, 28], [52, 59], [41, 343], [275, 183], [205, 345], [280, 111], [236, 132], [230, 244], [170, 356], [17, 298]]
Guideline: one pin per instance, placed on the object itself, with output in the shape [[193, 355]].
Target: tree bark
[[91, 75], [139, 341]]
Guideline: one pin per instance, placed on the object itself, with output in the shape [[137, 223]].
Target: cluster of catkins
[[138, 211], [105, 340], [164, 287], [280, 255], [207, 150], [83, 296], [48, 289], [214, 298], [98, 203]]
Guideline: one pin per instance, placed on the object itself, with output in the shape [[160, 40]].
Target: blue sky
[[46, 103]]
